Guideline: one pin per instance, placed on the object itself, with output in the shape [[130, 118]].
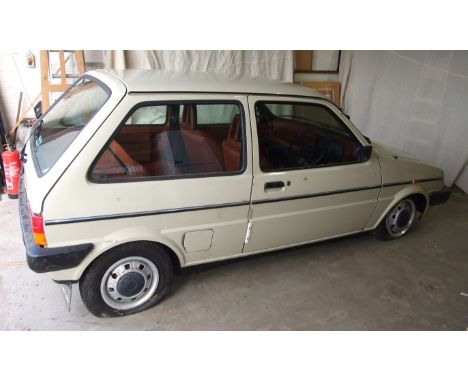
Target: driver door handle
[[274, 185]]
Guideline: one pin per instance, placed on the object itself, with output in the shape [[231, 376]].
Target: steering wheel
[[304, 154]]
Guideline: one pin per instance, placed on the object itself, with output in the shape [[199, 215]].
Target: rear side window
[[59, 127], [149, 115], [175, 140]]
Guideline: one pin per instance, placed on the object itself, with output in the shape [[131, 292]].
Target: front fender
[[390, 196]]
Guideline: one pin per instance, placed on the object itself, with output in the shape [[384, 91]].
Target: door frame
[[372, 162]]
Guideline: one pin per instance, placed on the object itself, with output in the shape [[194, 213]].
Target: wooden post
[[80, 62], [46, 86], [20, 102], [45, 79], [63, 72]]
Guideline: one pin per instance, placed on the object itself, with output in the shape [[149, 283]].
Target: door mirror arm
[[363, 153]]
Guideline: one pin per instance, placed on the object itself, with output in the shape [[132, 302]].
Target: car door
[[309, 180]]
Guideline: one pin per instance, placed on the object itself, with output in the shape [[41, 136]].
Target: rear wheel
[[128, 279], [398, 220]]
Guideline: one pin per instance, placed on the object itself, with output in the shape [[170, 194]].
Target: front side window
[[174, 140], [59, 127], [302, 135]]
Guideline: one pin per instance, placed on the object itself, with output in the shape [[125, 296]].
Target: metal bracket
[[67, 293]]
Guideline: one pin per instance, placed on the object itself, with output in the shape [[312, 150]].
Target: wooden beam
[[57, 88], [20, 102], [80, 62], [63, 72], [45, 79], [303, 60], [46, 86]]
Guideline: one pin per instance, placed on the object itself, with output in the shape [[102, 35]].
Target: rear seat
[[204, 154], [162, 159], [115, 162]]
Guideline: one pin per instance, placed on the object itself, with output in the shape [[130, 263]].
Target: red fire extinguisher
[[12, 165]]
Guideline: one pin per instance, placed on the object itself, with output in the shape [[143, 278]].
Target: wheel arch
[[76, 274], [416, 193], [174, 258]]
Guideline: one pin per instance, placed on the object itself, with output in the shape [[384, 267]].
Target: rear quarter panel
[[37, 188], [75, 196]]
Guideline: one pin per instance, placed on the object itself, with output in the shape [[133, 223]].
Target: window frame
[[138, 105], [317, 104], [32, 145]]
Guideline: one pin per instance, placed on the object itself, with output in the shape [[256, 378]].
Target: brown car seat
[[115, 162], [232, 145], [204, 154], [162, 159]]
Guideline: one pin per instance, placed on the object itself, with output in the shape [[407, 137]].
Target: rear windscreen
[[59, 127]]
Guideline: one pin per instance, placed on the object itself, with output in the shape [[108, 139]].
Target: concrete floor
[[357, 283]]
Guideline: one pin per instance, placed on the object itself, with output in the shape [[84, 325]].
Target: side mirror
[[363, 153]]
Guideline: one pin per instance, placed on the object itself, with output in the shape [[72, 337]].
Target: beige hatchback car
[[132, 175]]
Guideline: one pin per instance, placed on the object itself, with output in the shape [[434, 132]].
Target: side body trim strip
[[143, 213], [226, 205]]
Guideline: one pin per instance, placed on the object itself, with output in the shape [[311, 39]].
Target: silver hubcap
[[400, 218], [129, 283]]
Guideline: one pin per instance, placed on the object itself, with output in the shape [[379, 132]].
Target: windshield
[[59, 127]]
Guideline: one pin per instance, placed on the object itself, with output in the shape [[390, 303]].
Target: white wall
[[325, 59], [15, 77], [415, 101]]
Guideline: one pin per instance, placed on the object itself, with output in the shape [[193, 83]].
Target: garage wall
[[15, 77], [415, 101]]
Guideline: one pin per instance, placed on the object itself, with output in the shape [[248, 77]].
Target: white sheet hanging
[[274, 64], [416, 101], [268, 64]]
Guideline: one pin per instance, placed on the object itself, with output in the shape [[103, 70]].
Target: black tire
[[382, 232], [90, 283]]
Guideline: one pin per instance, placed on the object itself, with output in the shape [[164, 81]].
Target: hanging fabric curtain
[[273, 64], [415, 101]]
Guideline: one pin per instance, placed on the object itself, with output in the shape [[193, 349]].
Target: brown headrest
[[189, 117]]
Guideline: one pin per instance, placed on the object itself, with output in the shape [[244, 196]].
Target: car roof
[[164, 81]]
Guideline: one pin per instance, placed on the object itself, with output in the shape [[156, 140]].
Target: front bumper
[[439, 196], [41, 259]]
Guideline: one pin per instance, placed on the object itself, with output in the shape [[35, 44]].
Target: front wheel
[[128, 279], [398, 221]]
